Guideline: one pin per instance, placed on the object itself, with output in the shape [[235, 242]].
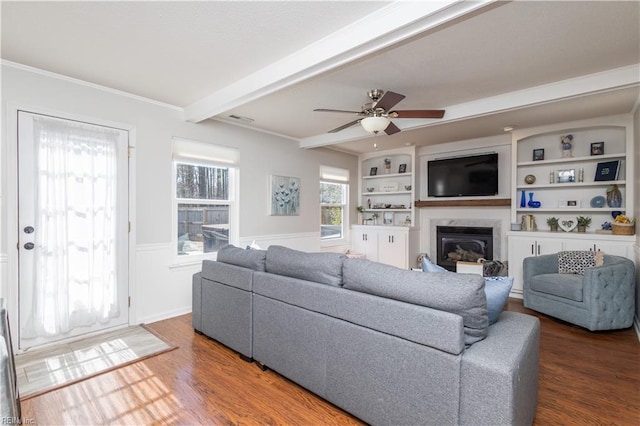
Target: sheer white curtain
[[75, 247]]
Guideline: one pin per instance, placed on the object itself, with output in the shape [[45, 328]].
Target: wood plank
[[585, 378], [492, 202]]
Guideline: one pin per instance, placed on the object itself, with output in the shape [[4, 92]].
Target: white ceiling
[[489, 64]]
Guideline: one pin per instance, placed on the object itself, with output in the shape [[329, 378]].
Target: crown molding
[[88, 84]]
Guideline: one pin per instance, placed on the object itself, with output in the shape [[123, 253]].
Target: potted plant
[[553, 223], [583, 223]]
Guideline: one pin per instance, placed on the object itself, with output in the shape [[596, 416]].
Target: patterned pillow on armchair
[[576, 261]]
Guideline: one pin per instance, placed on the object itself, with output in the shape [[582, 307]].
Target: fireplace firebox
[[464, 243]]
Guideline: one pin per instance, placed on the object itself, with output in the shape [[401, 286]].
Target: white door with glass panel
[[73, 228]]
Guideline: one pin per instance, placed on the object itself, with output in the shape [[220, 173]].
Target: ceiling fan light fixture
[[375, 124]]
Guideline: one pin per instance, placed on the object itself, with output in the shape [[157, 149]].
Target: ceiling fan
[[377, 114]]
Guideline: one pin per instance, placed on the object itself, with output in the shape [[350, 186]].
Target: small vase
[[614, 196], [523, 199], [533, 204]]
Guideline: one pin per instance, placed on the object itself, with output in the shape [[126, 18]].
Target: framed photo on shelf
[[597, 148], [402, 168], [538, 154], [569, 203], [387, 218], [373, 171], [566, 176], [607, 171]]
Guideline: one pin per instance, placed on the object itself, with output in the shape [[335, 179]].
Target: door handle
[[29, 246], [28, 229]]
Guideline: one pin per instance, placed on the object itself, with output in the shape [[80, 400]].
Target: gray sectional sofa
[[389, 346]]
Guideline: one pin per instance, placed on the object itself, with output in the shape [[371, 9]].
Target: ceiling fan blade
[[418, 113], [338, 110], [344, 126], [391, 129], [388, 100]]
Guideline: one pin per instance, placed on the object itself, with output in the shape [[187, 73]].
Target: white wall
[[636, 180], [160, 289], [500, 144]]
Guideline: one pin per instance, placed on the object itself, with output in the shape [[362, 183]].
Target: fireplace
[[465, 243]]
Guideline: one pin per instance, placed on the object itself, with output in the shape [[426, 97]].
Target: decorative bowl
[[370, 189], [529, 179], [407, 187]]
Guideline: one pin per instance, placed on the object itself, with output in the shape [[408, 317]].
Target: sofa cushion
[[461, 294], [325, 268], [576, 261], [252, 259], [429, 266], [568, 286], [404, 320], [231, 275], [496, 289]]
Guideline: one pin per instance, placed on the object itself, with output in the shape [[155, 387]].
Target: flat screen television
[[475, 175]]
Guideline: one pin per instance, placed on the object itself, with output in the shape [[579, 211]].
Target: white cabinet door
[[609, 247], [522, 247], [392, 248], [366, 241]]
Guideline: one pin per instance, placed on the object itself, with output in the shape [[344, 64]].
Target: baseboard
[[636, 325], [165, 315]]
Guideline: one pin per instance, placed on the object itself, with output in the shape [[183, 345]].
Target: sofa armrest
[[538, 265], [196, 301], [609, 293], [499, 377]]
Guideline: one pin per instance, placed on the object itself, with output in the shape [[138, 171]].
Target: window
[[333, 202], [204, 198]]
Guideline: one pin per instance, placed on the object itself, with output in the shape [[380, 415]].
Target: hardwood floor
[[585, 378]]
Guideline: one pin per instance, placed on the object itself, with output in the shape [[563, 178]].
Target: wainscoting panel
[[4, 286], [161, 290], [304, 241]]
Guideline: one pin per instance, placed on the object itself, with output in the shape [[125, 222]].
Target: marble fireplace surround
[[496, 225]]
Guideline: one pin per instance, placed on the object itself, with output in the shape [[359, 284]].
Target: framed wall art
[[285, 196]]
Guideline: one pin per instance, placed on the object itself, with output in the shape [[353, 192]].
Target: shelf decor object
[[614, 196], [565, 143], [567, 225], [566, 176], [598, 201], [533, 204], [597, 148], [538, 154], [607, 170], [623, 225]]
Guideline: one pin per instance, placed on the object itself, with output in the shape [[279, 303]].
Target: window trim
[[344, 239], [213, 161]]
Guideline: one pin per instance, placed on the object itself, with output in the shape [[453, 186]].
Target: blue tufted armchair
[[601, 299]]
